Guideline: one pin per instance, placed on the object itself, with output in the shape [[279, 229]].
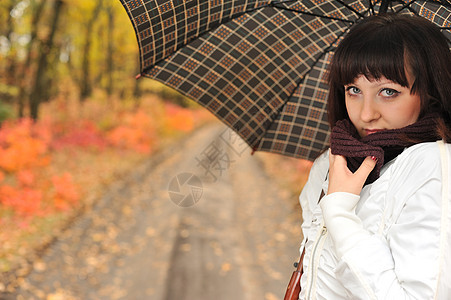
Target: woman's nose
[[369, 111]]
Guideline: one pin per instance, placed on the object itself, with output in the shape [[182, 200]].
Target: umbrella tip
[[138, 76]]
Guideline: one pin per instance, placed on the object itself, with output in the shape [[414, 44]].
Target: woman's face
[[380, 104]]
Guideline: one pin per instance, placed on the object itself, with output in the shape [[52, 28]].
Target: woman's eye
[[389, 92], [353, 90]]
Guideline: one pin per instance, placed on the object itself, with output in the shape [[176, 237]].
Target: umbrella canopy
[[258, 65]]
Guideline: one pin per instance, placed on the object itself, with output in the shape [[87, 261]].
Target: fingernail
[[374, 158]]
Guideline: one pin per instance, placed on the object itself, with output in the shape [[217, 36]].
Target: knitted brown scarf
[[384, 145]]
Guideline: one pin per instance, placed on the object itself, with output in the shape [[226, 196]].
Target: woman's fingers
[[341, 179], [338, 160], [365, 168]]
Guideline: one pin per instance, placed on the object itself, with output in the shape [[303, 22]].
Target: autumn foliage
[[136, 131], [32, 184], [23, 145]]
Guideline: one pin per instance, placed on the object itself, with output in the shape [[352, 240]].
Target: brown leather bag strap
[[294, 286]]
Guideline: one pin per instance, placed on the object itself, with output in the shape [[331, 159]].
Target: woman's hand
[[341, 179]]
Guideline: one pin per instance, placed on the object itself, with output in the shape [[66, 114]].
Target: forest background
[[74, 118]]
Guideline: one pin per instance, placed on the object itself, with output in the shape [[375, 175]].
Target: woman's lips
[[371, 131]]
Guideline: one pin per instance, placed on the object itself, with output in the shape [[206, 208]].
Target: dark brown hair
[[388, 45]]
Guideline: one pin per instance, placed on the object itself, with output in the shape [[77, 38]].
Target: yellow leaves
[[151, 232], [271, 296], [39, 265], [60, 295], [185, 247], [127, 210], [97, 237], [225, 268]]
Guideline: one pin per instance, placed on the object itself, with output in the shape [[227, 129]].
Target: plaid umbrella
[[258, 65]]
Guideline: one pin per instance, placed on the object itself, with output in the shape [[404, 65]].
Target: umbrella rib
[[384, 6], [281, 2], [407, 5], [445, 3], [311, 14], [413, 1], [316, 15], [371, 7], [350, 8]]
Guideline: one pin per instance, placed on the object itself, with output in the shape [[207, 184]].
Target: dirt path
[[238, 241]]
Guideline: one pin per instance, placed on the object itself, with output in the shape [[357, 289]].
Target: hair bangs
[[381, 55]]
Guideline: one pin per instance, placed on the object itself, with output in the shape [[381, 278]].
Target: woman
[[383, 228]]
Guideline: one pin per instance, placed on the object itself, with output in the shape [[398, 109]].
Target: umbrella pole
[[384, 6]]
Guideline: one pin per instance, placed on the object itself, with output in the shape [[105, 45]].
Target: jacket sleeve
[[402, 261]]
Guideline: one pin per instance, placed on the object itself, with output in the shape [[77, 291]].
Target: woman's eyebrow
[[384, 82]]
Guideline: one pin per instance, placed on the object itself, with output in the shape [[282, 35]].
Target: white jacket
[[391, 242]]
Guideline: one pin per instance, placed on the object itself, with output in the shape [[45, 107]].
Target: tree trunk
[[110, 51], [23, 87], [11, 67], [86, 84], [37, 92]]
